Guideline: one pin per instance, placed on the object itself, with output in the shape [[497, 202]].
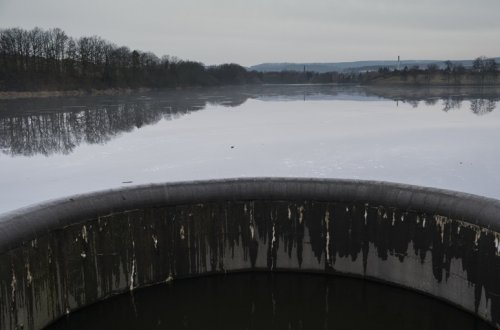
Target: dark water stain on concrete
[[82, 263]]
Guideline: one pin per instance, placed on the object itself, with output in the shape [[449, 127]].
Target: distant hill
[[356, 66]]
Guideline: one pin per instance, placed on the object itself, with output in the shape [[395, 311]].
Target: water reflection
[[482, 106], [59, 125], [451, 103], [484, 98], [478, 106], [271, 301], [62, 132]]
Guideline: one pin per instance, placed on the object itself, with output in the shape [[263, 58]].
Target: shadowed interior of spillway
[[61, 256], [266, 300]]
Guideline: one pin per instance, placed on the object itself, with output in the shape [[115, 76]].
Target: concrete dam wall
[[62, 255]]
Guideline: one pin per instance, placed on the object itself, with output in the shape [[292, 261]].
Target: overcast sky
[[254, 31]]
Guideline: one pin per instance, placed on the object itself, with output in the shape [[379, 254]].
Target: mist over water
[[439, 137]]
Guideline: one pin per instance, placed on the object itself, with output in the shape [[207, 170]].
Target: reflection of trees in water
[[451, 103], [478, 106], [482, 106], [431, 101], [52, 126], [413, 103], [58, 126], [62, 132], [483, 99]]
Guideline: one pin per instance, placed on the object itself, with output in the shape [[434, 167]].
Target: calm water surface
[[271, 301], [446, 138]]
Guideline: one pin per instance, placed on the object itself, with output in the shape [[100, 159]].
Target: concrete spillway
[[60, 256]]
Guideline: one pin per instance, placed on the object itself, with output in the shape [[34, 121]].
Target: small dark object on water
[[232, 147], [127, 181]]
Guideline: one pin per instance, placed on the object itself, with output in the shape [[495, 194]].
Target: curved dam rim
[[27, 223]]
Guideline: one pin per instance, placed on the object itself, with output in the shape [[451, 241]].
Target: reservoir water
[[440, 137], [55, 147]]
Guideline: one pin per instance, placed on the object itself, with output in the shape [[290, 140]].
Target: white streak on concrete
[[155, 241], [85, 234], [13, 285], [181, 233], [301, 214], [327, 227]]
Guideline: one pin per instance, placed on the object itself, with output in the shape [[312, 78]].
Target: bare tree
[[448, 68], [458, 72]]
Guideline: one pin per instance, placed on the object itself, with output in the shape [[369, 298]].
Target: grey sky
[[254, 31]]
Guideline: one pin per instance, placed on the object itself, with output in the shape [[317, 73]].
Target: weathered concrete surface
[[62, 255]]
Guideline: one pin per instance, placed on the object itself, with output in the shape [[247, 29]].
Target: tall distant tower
[[398, 63]]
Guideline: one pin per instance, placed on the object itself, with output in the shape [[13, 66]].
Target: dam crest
[[60, 256]]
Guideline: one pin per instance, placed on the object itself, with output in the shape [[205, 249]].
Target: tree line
[[482, 71], [40, 59], [50, 59]]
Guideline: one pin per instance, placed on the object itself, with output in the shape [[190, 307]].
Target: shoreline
[[12, 95]]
